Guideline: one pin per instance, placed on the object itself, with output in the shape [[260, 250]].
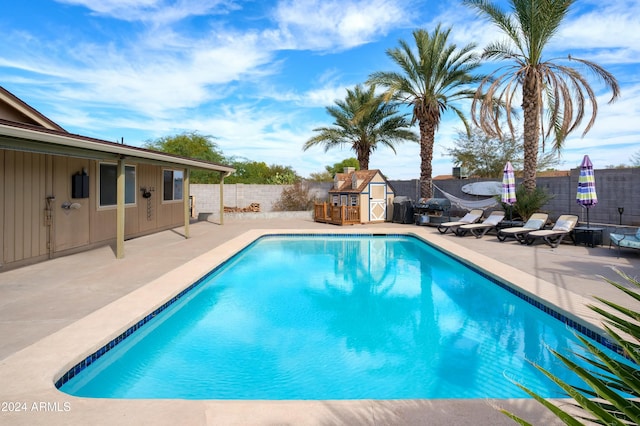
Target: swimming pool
[[327, 317]]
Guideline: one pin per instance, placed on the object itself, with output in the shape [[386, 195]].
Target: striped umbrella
[[508, 186], [586, 196]]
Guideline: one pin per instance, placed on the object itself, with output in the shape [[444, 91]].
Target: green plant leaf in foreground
[[615, 386]]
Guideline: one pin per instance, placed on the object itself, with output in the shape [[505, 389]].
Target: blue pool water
[[335, 318]]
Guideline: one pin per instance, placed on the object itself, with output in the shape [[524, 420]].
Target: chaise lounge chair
[[535, 223], [564, 226], [479, 229], [472, 217], [625, 240]]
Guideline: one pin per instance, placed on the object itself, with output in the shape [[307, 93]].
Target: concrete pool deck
[[55, 313]]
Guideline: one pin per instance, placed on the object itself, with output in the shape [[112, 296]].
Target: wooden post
[[222, 198], [120, 189], [186, 201]]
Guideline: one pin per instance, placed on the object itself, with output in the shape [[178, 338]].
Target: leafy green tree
[[258, 172], [191, 145], [485, 156], [324, 176], [288, 177], [340, 166], [431, 81], [330, 171], [364, 121], [548, 87]]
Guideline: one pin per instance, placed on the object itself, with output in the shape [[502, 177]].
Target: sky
[[258, 75]]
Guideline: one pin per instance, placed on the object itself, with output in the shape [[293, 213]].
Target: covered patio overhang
[[18, 137]]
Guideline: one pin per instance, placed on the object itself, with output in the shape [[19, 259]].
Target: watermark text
[[35, 407]]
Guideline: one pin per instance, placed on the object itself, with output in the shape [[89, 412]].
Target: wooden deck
[[336, 215]]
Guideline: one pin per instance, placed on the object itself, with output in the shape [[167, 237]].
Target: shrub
[[528, 203], [294, 198]]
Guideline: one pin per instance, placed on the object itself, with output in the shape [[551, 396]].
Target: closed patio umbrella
[[508, 187], [586, 196]]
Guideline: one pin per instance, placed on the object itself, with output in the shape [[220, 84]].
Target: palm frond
[[601, 388], [618, 375], [362, 120], [557, 92], [613, 386], [567, 418]]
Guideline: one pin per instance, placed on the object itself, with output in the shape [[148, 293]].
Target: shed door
[[377, 201]]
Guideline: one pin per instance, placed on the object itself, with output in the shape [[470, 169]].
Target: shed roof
[[360, 175]]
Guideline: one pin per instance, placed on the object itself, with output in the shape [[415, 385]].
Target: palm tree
[[431, 81], [363, 120], [548, 87]]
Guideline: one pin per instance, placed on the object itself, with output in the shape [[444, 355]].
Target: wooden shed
[[362, 196]]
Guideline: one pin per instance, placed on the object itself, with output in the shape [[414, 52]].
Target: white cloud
[[337, 24], [156, 12], [163, 75], [153, 80], [324, 96], [608, 33]]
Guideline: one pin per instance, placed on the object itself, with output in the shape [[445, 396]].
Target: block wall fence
[[615, 188]]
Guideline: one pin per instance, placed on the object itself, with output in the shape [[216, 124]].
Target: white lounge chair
[[535, 223], [563, 227], [472, 217], [479, 229]]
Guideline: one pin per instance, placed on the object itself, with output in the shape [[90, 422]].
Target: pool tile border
[[76, 369], [581, 328], [575, 325]]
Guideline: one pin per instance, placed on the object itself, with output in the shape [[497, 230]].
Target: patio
[[41, 306]]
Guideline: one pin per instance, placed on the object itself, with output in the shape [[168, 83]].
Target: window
[[172, 185], [353, 200], [108, 184]]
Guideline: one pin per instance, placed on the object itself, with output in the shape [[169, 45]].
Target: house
[[362, 196], [62, 193]]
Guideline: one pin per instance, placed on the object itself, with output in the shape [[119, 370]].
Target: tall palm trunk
[[363, 158], [531, 114], [427, 138]]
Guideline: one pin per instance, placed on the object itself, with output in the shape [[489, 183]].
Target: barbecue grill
[[432, 211]]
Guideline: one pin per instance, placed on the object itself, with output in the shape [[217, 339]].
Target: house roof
[[14, 109], [22, 128], [22, 137], [360, 175]]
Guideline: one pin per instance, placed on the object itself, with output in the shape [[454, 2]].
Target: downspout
[[222, 176], [49, 207], [48, 221]]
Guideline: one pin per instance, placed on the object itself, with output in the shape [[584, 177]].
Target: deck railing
[[336, 215]]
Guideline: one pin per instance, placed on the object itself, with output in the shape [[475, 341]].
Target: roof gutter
[[73, 141]]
